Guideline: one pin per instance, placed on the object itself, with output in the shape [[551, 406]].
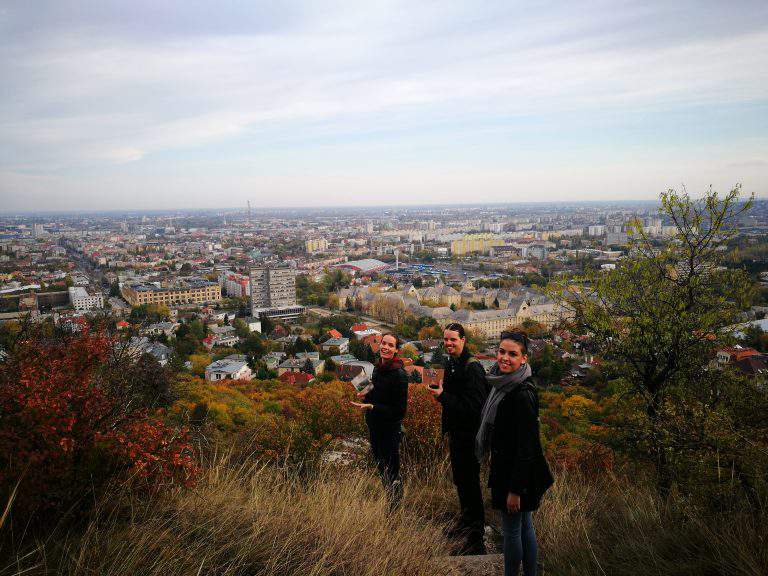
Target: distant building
[[315, 245], [301, 364], [220, 339], [235, 285], [336, 345], [363, 334], [733, 354], [475, 243], [253, 324], [158, 328], [81, 300], [188, 291], [616, 238], [233, 367], [273, 293], [137, 346], [363, 266]]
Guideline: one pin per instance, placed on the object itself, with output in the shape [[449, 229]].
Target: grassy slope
[[253, 520]]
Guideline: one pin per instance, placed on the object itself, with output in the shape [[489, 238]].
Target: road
[[372, 322]]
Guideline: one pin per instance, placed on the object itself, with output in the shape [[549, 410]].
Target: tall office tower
[[273, 293]]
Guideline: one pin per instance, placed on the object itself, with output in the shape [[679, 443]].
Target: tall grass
[[249, 519], [615, 527], [254, 520]]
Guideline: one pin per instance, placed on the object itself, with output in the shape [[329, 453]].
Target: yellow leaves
[[577, 407]]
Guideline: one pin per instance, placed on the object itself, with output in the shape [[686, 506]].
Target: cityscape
[[487, 267], [384, 288]]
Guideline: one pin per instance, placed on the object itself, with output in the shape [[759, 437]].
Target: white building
[[233, 367], [235, 285], [82, 301]]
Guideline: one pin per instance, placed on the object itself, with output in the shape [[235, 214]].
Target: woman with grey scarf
[[509, 430]]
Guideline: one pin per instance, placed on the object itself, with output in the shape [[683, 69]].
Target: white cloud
[[84, 100]]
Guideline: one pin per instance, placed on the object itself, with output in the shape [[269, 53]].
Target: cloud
[[110, 83]]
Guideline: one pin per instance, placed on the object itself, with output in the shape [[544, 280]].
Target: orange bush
[[66, 429]]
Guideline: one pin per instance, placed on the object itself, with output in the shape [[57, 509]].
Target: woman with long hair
[[509, 430], [385, 401]]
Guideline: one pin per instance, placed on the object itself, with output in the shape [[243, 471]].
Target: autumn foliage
[[66, 428]]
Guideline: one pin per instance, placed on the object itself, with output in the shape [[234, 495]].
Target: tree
[[658, 316], [756, 338], [114, 288], [308, 368], [186, 269], [72, 421], [149, 313], [253, 345], [304, 345], [241, 329], [409, 351], [438, 357], [267, 324]]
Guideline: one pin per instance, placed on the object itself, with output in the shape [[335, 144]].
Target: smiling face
[[454, 344], [510, 356], [388, 347]]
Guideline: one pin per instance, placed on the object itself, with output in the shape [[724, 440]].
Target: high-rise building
[[273, 293], [316, 245], [235, 285], [475, 243]]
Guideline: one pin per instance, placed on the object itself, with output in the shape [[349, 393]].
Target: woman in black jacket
[[385, 402], [509, 429]]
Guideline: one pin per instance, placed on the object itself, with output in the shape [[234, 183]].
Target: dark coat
[[517, 459], [389, 396], [464, 392]]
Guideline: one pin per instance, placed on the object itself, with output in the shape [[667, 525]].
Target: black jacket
[[464, 392], [517, 459], [389, 396]]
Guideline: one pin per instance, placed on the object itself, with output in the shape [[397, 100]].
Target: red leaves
[[65, 431]]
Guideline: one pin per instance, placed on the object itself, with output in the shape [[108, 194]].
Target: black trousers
[[466, 477], [385, 446]]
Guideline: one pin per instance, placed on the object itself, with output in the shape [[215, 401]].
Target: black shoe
[[474, 549], [455, 532], [469, 548]]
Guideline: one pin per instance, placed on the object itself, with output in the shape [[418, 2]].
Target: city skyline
[[150, 107]]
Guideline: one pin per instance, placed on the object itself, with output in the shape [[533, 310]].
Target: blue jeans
[[519, 543]]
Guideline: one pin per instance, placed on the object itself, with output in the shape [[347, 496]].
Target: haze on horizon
[[180, 105]]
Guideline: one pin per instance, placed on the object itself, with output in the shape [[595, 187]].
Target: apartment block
[[273, 293], [316, 245], [81, 300], [475, 243], [187, 291], [235, 285]]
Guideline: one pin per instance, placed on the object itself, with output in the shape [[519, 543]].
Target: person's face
[[388, 347], [510, 356], [454, 344]]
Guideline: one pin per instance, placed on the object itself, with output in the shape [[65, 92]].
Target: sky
[[191, 104]]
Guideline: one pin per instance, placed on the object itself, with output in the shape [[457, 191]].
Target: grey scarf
[[502, 385]]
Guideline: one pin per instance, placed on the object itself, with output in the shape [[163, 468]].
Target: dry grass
[[248, 519], [252, 520], [612, 527]]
